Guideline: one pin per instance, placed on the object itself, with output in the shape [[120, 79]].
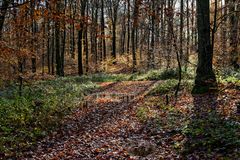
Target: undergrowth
[[207, 135], [227, 76], [151, 75], [212, 134], [39, 110]]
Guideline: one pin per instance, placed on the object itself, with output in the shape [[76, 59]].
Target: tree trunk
[[114, 55], [80, 38], [205, 77], [135, 25], [181, 31], [34, 30], [224, 29], [123, 32], [234, 18], [103, 31], [3, 11], [86, 41], [128, 29], [170, 15], [53, 50], [59, 69], [72, 29], [153, 35], [186, 59]]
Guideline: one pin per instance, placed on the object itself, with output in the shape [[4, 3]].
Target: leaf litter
[[111, 127]]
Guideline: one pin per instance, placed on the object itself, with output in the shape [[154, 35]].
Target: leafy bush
[[164, 87], [229, 76], [163, 75], [189, 74], [169, 74], [41, 108], [156, 75]]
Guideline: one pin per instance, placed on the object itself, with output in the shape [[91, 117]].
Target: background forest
[[57, 55], [80, 37]]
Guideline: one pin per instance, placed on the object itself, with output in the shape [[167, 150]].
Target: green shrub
[[41, 108], [187, 85], [164, 87], [157, 75], [229, 76], [163, 75], [142, 113], [169, 74]]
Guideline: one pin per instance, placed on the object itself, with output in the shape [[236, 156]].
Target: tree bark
[[234, 18], [103, 31], [3, 11], [205, 77], [133, 36], [181, 31], [80, 38]]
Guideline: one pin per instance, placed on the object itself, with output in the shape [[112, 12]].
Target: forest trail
[[105, 128], [120, 120]]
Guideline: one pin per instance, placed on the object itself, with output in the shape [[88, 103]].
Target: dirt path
[[106, 128]]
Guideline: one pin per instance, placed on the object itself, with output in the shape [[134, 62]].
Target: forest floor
[[123, 120]]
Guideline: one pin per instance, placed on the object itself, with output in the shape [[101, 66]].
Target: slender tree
[[59, 69], [103, 39], [3, 11], [133, 36], [113, 7], [80, 37], [181, 30], [234, 18]]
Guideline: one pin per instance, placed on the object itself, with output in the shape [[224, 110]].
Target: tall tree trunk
[[103, 31], [181, 30], [128, 29], [123, 33], [205, 77], [34, 30], [188, 38], [113, 10], [86, 49], [86, 41], [234, 18], [162, 26], [72, 28], [80, 38], [3, 11], [170, 15], [64, 34], [48, 41], [192, 24], [224, 29], [43, 45], [153, 35], [96, 33], [53, 50], [59, 65], [114, 54], [135, 25]]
